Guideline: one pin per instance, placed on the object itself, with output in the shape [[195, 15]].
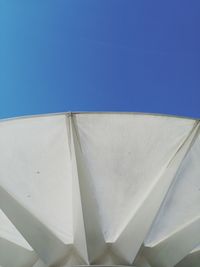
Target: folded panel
[[90, 235], [14, 250], [192, 259], [9, 232], [125, 153], [182, 204], [85, 189], [12, 255], [35, 169]]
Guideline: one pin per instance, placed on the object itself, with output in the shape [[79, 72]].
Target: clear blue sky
[[99, 55]]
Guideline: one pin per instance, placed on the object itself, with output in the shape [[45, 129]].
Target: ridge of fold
[[126, 245], [87, 204]]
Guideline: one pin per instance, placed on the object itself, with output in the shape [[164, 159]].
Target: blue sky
[[99, 55]]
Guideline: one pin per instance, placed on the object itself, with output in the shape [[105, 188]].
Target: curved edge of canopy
[[99, 112]]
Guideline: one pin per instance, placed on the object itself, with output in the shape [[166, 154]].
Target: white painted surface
[[82, 189]]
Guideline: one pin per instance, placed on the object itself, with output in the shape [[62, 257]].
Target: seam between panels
[[73, 250], [68, 127], [193, 135], [69, 144], [75, 129], [196, 128], [166, 244], [73, 158], [86, 196], [158, 179], [179, 230]]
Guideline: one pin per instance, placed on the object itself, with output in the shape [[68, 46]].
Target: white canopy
[[100, 189]]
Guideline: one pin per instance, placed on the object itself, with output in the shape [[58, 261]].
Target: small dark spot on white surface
[[38, 172], [28, 196]]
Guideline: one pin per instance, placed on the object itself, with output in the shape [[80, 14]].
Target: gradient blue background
[[99, 55]]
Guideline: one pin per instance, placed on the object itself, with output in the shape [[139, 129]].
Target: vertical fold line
[[95, 243], [79, 240], [47, 245], [129, 241], [175, 241]]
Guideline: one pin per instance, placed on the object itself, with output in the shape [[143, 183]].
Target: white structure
[[100, 189]]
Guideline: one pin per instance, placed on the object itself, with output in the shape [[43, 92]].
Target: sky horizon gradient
[[125, 56]]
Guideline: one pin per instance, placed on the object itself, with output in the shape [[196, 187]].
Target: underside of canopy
[[100, 189]]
